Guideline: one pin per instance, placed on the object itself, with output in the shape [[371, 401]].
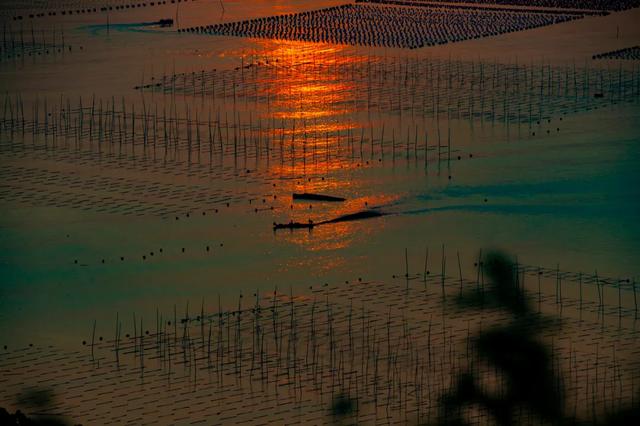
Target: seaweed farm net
[[250, 124], [231, 164], [628, 53], [559, 4], [515, 93], [391, 347], [387, 26]]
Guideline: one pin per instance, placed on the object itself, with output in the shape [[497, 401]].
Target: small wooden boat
[[365, 214], [316, 197], [293, 225]]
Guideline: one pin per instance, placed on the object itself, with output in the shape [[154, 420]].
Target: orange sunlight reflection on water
[[332, 236], [315, 97], [314, 100]]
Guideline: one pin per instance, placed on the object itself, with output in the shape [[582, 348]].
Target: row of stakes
[[90, 10], [520, 93], [230, 348], [17, 123], [579, 279], [32, 44], [112, 127], [336, 340]]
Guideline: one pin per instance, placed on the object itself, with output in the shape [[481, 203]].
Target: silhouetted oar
[[316, 197]]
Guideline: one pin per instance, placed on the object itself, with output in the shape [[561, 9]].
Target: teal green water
[[571, 198]]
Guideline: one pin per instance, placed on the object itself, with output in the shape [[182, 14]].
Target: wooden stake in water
[[93, 335], [580, 284], [619, 298], [406, 266], [117, 342], [635, 300], [444, 267], [599, 291], [426, 271], [460, 271]]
